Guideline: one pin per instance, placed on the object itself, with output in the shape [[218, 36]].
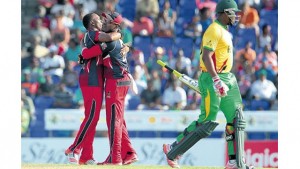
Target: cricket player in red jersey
[[91, 82], [118, 81]]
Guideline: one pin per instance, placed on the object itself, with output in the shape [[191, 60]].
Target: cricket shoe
[[172, 163], [233, 165], [130, 158], [88, 162], [72, 156], [106, 162]]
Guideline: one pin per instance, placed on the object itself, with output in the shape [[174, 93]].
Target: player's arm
[[88, 53], [96, 50], [107, 37], [208, 46], [208, 61], [210, 41], [125, 48], [219, 86]]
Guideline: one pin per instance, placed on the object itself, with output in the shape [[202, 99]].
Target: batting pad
[[240, 125], [203, 130]]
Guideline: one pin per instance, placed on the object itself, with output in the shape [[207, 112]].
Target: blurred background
[[170, 30]]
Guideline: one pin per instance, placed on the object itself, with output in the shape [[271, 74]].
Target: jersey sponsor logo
[[209, 43]]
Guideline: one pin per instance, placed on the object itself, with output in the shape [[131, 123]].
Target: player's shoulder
[[92, 33], [213, 26], [213, 29]]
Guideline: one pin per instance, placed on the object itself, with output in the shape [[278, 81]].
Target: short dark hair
[[203, 10], [265, 26], [86, 20]]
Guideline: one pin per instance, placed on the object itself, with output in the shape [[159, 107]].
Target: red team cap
[[115, 17]]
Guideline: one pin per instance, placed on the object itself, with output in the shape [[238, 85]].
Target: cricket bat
[[191, 83]]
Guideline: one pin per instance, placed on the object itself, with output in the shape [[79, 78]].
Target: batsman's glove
[[220, 87]]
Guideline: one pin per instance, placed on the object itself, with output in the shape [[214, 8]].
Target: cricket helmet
[[226, 5], [230, 8]]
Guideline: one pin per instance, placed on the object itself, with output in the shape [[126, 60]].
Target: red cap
[[115, 17]]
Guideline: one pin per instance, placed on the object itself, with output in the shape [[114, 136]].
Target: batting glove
[[220, 87]]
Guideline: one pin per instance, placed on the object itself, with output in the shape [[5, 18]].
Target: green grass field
[[66, 166]]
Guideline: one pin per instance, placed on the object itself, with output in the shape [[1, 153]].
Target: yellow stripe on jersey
[[218, 39], [207, 104]]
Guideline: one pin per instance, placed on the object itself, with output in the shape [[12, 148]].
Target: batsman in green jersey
[[219, 91]]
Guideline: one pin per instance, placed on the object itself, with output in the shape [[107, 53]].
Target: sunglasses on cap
[[114, 17]]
